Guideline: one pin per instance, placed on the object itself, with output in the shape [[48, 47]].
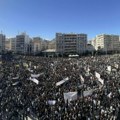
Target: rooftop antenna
[[1, 32]]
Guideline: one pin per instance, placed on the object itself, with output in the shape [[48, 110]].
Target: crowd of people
[[22, 98]]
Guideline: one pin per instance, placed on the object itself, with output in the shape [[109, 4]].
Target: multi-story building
[[71, 43], [36, 44], [13, 44], [8, 44], [106, 42], [22, 43], [2, 42], [52, 44]]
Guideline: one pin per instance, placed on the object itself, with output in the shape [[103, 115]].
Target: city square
[[42, 88]]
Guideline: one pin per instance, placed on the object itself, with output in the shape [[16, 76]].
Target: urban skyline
[[64, 43], [55, 35], [45, 17]]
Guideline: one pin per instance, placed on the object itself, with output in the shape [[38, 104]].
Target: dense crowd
[[21, 97]]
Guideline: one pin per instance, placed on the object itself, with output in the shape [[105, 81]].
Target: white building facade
[[22, 43], [106, 42], [13, 44], [36, 44], [71, 43]]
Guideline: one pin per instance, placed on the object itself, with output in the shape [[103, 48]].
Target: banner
[[87, 93], [16, 83], [101, 81], [116, 66], [25, 65], [35, 75], [35, 67], [109, 68], [62, 81], [30, 64], [82, 79], [30, 70], [15, 78], [34, 80], [70, 96], [17, 65], [119, 90], [109, 95], [51, 102], [98, 77], [97, 74]]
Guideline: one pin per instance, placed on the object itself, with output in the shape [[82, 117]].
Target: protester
[[34, 87]]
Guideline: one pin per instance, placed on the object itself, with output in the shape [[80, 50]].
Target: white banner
[[70, 96], [25, 65], [34, 80], [109, 95], [109, 68], [101, 81], [51, 102], [97, 74], [82, 79], [62, 81], [35, 67], [98, 77], [30, 70], [16, 83], [15, 78], [116, 66], [30, 64], [36, 75], [87, 93]]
